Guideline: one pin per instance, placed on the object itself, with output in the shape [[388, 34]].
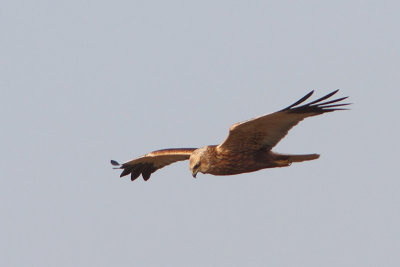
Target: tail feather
[[297, 158]]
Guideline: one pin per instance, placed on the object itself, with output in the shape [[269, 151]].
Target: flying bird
[[246, 149]]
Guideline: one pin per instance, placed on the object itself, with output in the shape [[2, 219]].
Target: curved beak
[[194, 174]]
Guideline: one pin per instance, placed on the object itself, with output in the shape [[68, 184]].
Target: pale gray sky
[[83, 82]]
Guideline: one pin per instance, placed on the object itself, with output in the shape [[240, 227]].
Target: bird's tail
[[296, 158]]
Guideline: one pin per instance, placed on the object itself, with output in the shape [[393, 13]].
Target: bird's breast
[[229, 163]]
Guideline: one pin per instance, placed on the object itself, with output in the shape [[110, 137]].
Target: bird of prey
[[246, 149]]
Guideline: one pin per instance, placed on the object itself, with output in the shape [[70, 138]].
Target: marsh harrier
[[246, 149]]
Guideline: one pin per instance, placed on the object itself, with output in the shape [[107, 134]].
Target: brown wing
[[153, 161], [266, 131]]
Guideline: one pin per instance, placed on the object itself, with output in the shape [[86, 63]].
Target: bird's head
[[198, 161]]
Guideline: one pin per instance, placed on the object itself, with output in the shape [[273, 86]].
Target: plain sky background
[[83, 82]]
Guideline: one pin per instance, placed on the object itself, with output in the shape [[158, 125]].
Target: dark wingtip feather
[[324, 97], [125, 172], [146, 176], [338, 109], [115, 163], [135, 170], [147, 171], [336, 105], [134, 175], [334, 101], [304, 98], [317, 106]]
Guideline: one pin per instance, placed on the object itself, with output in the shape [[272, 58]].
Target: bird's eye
[[196, 166]]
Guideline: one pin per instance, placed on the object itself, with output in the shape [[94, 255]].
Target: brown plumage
[[246, 149]]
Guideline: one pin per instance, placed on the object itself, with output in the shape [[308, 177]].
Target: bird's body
[[225, 162], [216, 162], [246, 149]]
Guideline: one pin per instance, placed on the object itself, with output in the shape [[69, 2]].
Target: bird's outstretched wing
[[153, 161], [266, 131]]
